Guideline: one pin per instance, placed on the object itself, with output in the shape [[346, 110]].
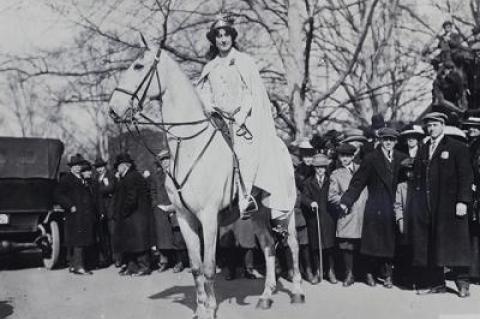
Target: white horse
[[200, 172]]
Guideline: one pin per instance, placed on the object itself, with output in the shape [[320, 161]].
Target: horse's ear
[[145, 44]]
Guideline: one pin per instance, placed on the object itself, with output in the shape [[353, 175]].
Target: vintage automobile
[[29, 169]]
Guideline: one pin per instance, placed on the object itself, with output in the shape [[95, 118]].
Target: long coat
[[162, 227], [380, 178], [313, 192], [79, 226], [447, 180], [348, 225], [133, 214]]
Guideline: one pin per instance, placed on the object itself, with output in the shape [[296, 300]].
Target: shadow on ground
[[21, 260], [232, 291], [6, 309]]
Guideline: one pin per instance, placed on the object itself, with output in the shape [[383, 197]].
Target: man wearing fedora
[[104, 181], [356, 138], [349, 226], [314, 198], [75, 197], [378, 173], [230, 84], [133, 216], [446, 172]]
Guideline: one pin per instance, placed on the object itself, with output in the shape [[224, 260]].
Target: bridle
[[162, 125]]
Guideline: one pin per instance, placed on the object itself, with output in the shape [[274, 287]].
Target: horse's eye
[[138, 66]]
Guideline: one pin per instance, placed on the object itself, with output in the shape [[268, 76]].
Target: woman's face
[[223, 41], [412, 142]]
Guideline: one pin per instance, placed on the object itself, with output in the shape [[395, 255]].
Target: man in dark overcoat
[[314, 198], [75, 197], [378, 172], [104, 185], [133, 215], [446, 171]]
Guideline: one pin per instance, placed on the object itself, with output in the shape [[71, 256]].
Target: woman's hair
[[213, 51]]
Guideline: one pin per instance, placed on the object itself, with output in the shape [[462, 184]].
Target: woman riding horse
[[230, 84]]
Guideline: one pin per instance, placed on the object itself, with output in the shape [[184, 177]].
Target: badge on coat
[[445, 155]]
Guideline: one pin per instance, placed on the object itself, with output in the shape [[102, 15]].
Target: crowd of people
[[122, 218]]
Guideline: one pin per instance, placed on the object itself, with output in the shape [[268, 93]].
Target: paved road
[[29, 291]]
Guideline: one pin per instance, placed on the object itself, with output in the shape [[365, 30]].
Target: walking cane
[[320, 254]]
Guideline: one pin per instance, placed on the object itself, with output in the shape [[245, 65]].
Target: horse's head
[[139, 85]]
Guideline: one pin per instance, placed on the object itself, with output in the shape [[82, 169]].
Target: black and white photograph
[[224, 159]]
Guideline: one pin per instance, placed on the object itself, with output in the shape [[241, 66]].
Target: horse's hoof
[[297, 299], [264, 303]]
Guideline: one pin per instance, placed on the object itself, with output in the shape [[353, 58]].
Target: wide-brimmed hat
[[123, 158], [353, 135], [471, 122], [387, 132], [435, 117], [320, 160], [222, 22], [455, 132], [412, 131], [99, 162], [345, 149], [76, 159], [305, 148]]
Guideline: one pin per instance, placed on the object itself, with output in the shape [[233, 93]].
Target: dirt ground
[[29, 291]]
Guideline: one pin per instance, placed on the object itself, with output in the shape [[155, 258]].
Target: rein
[[164, 126]]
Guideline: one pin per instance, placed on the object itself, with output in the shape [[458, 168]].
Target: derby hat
[[76, 159], [305, 148], [222, 22], [320, 160], [354, 134], [123, 158], [99, 162], [471, 122], [345, 149], [378, 121], [387, 132], [435, 117]]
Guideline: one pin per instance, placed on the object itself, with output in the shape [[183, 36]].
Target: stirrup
[[252, 207]]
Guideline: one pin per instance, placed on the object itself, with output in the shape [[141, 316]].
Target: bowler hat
[[377, 121], [435, 117], [471, 122], [123, 158], [345, 149], [76, 159], [99, 162], [387, 132], [354, 134], [305, 148], [320, 160], [221, 23]]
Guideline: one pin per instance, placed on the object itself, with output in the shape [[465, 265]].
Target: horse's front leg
[[189, 228], [261, 222], [298, 295], [210, 228]]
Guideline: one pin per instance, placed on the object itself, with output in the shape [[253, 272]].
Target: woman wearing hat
[[314, 198], [411, 137], [230, 84], [349, 226], [76, 199]]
